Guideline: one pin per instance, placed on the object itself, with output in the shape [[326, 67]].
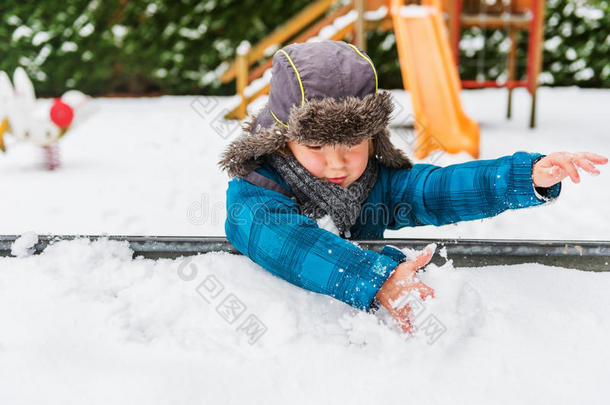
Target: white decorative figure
[[27, 119]]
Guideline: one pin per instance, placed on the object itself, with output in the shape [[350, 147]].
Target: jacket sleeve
[[266, 226], [432, 195]]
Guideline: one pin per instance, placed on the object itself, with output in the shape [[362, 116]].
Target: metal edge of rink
[[582, 255]]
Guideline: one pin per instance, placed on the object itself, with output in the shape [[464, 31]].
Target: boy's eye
[[314, 147]]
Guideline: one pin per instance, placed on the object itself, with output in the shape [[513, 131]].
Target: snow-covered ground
[[148, 166], [85, 323]]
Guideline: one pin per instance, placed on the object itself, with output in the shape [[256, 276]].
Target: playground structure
[[427, 36]]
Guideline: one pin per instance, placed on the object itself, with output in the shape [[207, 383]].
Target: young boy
[[317, 167]]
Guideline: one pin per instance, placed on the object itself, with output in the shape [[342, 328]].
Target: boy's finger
[[586, 165], [594, 157], [403, 317], [421, 260], [568, 166], [425, 291]]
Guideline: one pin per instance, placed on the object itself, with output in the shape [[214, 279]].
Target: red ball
[[61, 114]]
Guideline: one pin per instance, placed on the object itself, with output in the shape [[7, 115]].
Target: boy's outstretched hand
[[554, 167], [400, 284]]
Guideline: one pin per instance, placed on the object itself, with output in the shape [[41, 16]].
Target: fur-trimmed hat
[[321, 93]]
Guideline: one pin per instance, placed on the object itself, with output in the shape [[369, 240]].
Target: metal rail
[[582, 255]]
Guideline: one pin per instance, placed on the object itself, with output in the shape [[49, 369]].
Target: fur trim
[[388, 154], [350, 121], [243, 155], [325, 121]]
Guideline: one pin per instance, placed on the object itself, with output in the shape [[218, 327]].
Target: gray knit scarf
[[317, 197]]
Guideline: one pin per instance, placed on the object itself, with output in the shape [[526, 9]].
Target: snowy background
[[85, 323], [148, 166]]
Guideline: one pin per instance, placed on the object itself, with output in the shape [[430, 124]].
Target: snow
[[589, 13], [215, 74], [344, 20], [326, 222], [40, 38], [243, 48], [69, 46], [443, 252], [13, 20], [90, 324], [376, 15], [553, 43], [86, 30], [414, 11], [258, 84], [24, 244], [271, 49], [22, 31], [337, 24], [472, 44]]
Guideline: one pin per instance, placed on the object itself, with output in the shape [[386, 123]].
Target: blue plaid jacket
[[266, 226]]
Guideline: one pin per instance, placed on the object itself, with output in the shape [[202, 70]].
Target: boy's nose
[[335, 159]]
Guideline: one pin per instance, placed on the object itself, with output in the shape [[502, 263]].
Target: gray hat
[[321, 93]]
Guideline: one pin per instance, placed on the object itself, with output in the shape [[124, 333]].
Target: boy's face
[[339, 164]]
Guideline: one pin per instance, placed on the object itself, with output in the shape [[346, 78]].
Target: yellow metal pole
[[360, 31], [242, 83], [538, 37], [511, 62], [282, 34], [3, 127]]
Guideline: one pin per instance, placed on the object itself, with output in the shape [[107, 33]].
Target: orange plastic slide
[[430, 74]]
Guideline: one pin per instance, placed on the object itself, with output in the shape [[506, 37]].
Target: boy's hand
[[554, 167], [402, 281]]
